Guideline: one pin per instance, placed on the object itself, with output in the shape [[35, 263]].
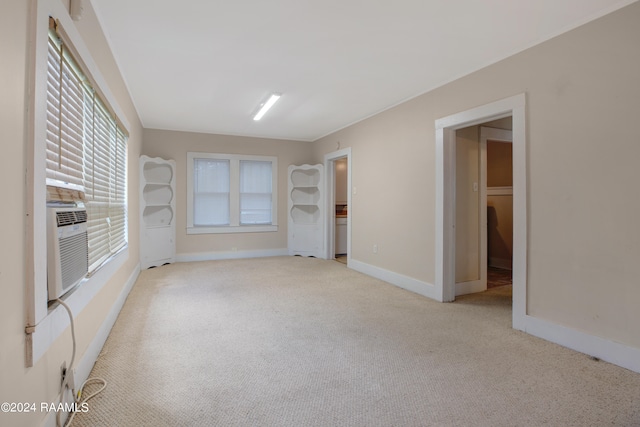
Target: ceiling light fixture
[[264, 107]]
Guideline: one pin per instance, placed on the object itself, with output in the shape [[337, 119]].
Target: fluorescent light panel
[[265, 107]]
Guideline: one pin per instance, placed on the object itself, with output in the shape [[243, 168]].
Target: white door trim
[[330, 202], [445, 197]]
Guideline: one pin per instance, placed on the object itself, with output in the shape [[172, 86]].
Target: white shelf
[[305, 177], [305, 195], [305, 212], [157, 211], [157, 194]]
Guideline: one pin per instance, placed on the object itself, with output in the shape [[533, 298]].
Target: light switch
[[475, 187]]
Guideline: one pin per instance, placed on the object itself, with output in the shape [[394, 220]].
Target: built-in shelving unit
[[306, 210], [157, 211]]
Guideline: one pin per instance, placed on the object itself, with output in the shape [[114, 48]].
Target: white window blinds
[[255, 192], [211, 187], [231, 193], [64, 117], [86, 147]]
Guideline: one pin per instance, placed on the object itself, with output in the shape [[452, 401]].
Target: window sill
[[57, 321], [233, 229]]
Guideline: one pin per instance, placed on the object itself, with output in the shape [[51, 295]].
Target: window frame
[[44, 322], [235, 226]]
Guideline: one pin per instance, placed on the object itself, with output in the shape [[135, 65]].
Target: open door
[[474, 179], [446, 128]]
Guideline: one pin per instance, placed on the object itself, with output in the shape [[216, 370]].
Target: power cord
[[77, 398], [65, 379]]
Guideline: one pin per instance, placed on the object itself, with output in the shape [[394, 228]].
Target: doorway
[[483, 206], [339, 207], [496, 146], [446, 198]]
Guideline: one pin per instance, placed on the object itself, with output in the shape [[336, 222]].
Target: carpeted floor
[[291, 341], [498, 277]]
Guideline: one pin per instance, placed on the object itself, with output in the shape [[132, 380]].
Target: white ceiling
[[205, 65]]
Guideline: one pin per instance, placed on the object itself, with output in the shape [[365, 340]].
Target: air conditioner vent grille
[[74, 259], [71, 217], [67, 249]]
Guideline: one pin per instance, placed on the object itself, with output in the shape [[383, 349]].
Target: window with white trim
[[86, 147], [228, 193]]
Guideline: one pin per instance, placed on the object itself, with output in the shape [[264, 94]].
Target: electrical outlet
[[63, 371], [375, 249]]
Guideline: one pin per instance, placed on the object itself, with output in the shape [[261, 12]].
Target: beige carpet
[[293, 341]]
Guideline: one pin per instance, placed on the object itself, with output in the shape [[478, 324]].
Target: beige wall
[[583, 100], [41, 382], [341, 166], [175, 145], [499, 164]]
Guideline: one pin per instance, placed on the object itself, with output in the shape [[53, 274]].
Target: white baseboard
[[85, 365], [609, 351], [606, 350], [93, 351], [405, 282], [464, 288], [213, 256]]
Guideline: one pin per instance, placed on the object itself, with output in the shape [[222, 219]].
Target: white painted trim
[[405, 282], [214, 256], [499, 191], [471, 287], [233, 229], [445, 196], [85, 365], [482, 200], [607, 350], [330, 224]]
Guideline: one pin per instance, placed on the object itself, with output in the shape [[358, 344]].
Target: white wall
[[40, 383], [583, 99]]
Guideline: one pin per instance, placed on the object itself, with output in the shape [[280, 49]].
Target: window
[[60, 121], [231, 193], [86, 147]]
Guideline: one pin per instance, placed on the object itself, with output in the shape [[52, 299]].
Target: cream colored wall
[[499, 164], [583, 100], [467, 204], [41, 382], [175, 145], [341, 181]]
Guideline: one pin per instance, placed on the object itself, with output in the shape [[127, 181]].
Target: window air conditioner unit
[[67, 251]]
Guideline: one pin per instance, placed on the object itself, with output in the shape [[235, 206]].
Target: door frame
[[445, 197], [330, 202]]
